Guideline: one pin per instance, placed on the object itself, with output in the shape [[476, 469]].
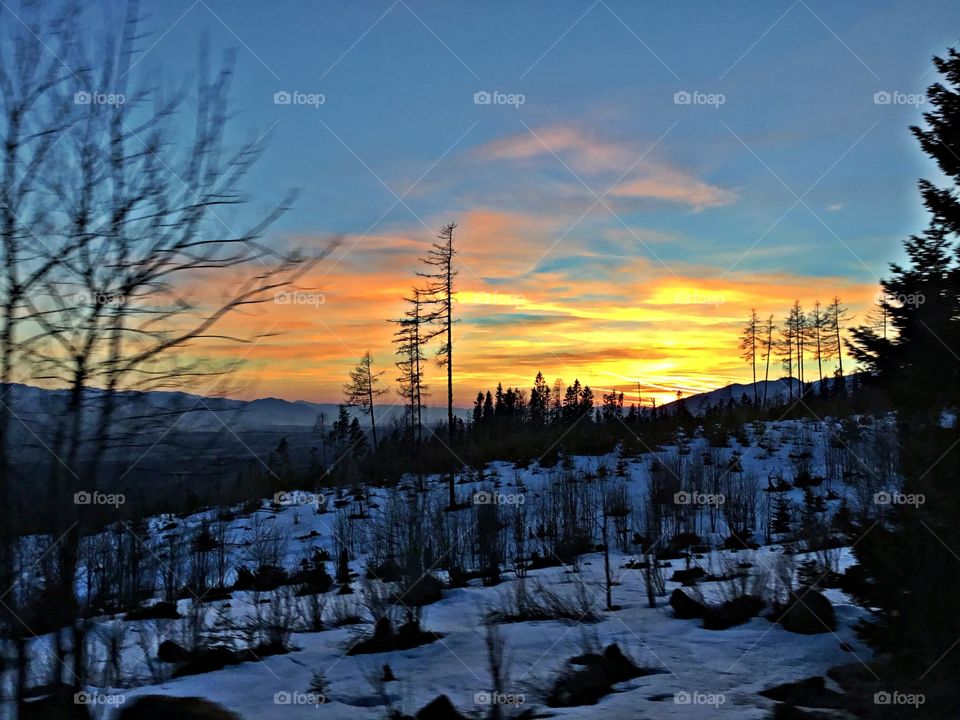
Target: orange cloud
[[635, 323], [641, 177]]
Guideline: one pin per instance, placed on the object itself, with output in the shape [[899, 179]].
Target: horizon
[[619, 213]]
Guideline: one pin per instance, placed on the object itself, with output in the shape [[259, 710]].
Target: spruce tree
[[908, 574]]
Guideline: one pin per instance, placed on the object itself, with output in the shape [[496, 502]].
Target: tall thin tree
[[748, 346], [362, 390], [439, 295], [769, 327]]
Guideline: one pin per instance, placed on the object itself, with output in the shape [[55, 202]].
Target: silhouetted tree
[[362, 390]]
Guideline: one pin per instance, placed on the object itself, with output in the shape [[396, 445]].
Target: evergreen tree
[[908, 574], [769, 327], [539, 401], [749, 340], [362, 390]]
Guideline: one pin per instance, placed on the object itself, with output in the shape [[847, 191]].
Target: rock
[[163, 707], [425, 591], [733, 612], [171, 652], [157, 611], [807, 612], [439, 708], [688, 577], [685, 607], [57, 704]]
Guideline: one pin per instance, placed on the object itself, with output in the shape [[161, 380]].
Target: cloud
[[584, 154], [636, 177], [675, 186]]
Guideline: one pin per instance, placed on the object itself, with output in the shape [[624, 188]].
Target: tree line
[[803, 336]]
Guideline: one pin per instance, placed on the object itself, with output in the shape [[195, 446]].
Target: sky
[[628, 179]]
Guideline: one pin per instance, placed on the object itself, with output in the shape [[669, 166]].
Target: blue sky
[[599, 187], [798, 81]]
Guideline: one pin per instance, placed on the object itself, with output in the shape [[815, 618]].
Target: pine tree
[[769, 327], [837, 317], [749, 339], [907, 572], [409, 340], [786, 345], [362, 390], [539, 401], [438, 294], [818, 324], [782, 521]]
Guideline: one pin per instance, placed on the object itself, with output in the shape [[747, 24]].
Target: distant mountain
[[777, 391], [37, 407]]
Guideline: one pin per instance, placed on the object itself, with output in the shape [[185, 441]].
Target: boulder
[[810, 693], [685, 607], [163, 707], [440, 708], [807, 612], [171, 652], [733, 612]]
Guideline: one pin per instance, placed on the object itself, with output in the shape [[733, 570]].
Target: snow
[[700, 665]]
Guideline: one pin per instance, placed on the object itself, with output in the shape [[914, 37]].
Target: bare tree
[[409, 340], [768, 346], [818, 323], [749, 339], [837, 316], [362, 390], [439, 295]]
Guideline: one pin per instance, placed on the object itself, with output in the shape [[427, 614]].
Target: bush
[[592, 676]]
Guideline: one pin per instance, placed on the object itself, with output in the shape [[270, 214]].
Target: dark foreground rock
[[163, 707]]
